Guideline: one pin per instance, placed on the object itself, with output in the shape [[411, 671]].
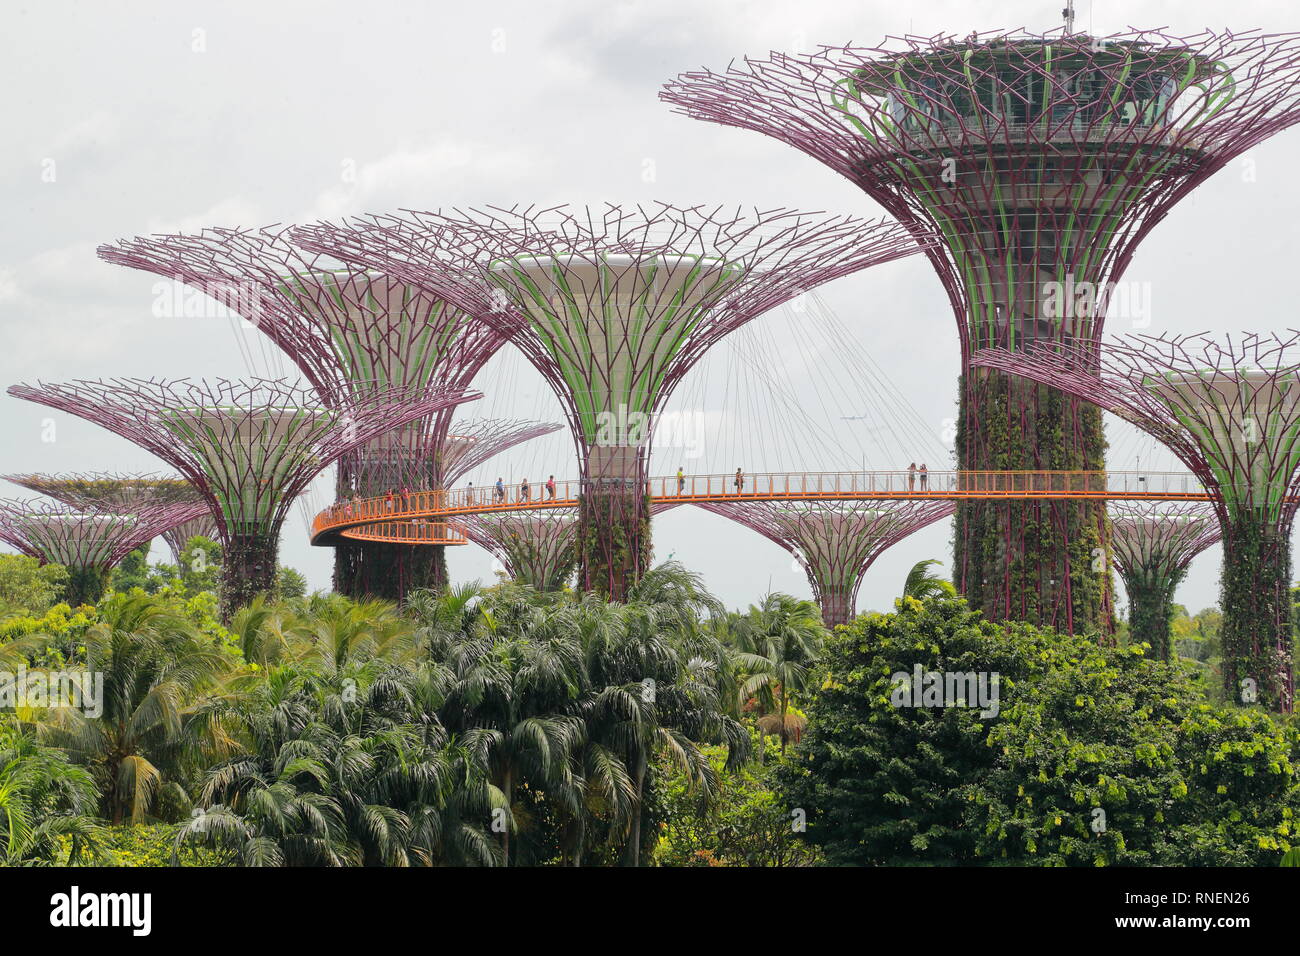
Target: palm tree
[[443, 616], [44, 799], [603, 788], [666, 695], [780, 641], [515, 676], [155, 664], [336, 774], [921, 584], [261, 631]]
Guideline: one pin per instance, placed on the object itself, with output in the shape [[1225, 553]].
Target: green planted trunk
[[379, 570], [1151, 610], [248, 565], [614, 534], [1256, 606], [1040, 561], [86, 585], [368, 570]]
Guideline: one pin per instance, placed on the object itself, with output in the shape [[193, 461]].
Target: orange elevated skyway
[[421, 517]]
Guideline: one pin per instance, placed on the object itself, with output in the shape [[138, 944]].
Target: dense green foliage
[[1151, 608], [28, 588], [504, 726], [498, 727], [1096, 755], [197, 572], [746, 824], [46, 802]]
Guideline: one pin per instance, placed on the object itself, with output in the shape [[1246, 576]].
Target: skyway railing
[[436, 506]]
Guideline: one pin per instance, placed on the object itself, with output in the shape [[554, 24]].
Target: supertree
[[1152, 543], [613, 306], [1039, 162], [204, 526], [834, 542], [348, 329], [537, 547], [89, 545], [110, 492], [1230, 411], [249, 447]]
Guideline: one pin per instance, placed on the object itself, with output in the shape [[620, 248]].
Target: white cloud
[[418, 177], [231, 212]]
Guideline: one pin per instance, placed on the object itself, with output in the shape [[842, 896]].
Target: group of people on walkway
[[525, 490], [395, 496], [738, 482], [913, 472]]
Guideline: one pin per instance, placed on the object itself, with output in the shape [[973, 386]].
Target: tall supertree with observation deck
[[1039, 162], [113, 493], [834, 542], [1230, 411], [88, 544], [350, 330], [249, 447], [613, 306], [1152, 544]]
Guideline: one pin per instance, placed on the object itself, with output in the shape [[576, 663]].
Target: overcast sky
[[129, 118]]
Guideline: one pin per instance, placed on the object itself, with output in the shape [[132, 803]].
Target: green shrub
[[745, 824], [149, 845], [1096, 756]]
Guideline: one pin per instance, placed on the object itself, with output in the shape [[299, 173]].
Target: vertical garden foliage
[[1031, 560], [1256, 606], [85, 585], [248, 569], [1151, 608], [615, 540]]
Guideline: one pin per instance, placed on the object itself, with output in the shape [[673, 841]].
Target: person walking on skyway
[[499, 492], [740, 481], [911, 477], [524, 491], [925, 476], [550, 488], [681, 480]]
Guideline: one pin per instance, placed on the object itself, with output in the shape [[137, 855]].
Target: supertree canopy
[[1152, 544], [204, 526], [88, 544], [537, 547], [249, 447], [109, 493], [834, 542], [348, 329], [1040, 161], [613, 306], [1230, 411]]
